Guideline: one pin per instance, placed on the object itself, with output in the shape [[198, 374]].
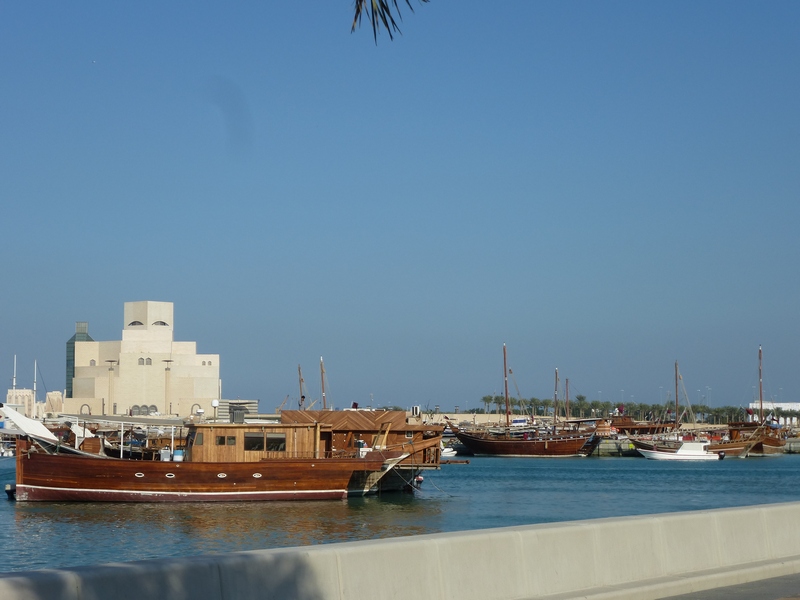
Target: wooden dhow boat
[[526, 442], [220, 462], [757, 438]]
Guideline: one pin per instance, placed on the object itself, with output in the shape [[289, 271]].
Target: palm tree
[[606, 406], [547, 404], [487, 400], [581, 404], [499, 402], [379, 13]]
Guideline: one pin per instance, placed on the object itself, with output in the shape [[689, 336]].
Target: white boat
[[696, 450]]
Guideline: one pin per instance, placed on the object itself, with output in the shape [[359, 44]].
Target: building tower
[[81, 335]]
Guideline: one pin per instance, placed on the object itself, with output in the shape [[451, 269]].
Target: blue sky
[[606, 187]]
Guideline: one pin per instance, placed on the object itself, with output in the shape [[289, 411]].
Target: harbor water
[[487, 492]]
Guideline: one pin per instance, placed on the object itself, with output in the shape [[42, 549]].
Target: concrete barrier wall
[[631, 557]]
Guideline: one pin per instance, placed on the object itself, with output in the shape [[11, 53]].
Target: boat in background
[[762, 437], [683, 450], [675, 445], [526, 441]]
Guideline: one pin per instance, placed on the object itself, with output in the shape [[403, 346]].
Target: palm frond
[[380, 13]]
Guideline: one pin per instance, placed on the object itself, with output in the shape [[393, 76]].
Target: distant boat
[[525, 441], [674, 445], [684, 450], [761, 437]]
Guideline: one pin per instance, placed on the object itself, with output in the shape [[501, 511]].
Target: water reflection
[[93, 533]]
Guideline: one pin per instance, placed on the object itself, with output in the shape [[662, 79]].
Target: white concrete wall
[[639, 558]]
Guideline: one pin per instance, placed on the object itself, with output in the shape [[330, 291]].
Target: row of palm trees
[[580, 407]]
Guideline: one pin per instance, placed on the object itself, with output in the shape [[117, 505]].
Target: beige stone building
[[144, 373]]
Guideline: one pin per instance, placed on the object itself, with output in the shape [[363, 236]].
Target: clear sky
[[606, 187]]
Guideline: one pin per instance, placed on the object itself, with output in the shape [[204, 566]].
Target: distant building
[[146, 372], [22, 400], [81, 335], [770, 406]]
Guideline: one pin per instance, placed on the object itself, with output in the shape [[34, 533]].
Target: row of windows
[[135, 323], [144, 410], [144, 361], [255, 441]]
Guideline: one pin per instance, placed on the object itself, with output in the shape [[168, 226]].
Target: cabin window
[[409, 434], [253, 441], [231, 440], [276, 442], [198, 439], [220, 440]]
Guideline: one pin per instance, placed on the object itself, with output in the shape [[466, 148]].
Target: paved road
[[777, 588]]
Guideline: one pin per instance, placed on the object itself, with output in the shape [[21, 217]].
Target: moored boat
[[683, 450], [526, 441], [221, 462], [764, 438], [530, 444], [675, 445]]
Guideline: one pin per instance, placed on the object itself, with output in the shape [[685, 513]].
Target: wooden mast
[[566, 391], [322, 379], [505, 383], [302, 393], [760, 390], [676, 396], [555, 404]]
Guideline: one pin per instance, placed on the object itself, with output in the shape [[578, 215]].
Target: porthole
[[221, 475], [170, 475], [140, 474], [257, 475]]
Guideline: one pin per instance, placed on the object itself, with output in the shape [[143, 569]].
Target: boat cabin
[[230, 442]]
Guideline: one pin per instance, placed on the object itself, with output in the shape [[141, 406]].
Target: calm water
[[488, 492]]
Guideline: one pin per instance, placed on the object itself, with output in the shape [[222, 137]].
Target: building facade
[[144, 373]]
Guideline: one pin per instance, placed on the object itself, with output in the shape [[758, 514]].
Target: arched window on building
[[135, 323], [141, 361], [160, 323], [209, 363], [135, 412], [148, 361], [93, 363], [204, 363], [85, 410], [153, 409]]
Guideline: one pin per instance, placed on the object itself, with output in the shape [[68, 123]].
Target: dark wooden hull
[[64, 477], [562, 445]]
